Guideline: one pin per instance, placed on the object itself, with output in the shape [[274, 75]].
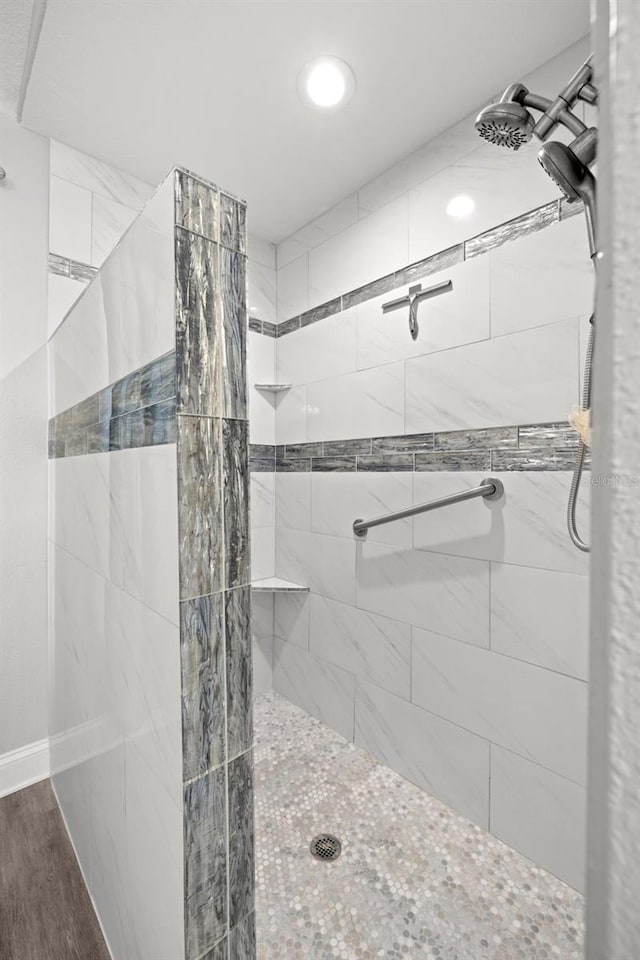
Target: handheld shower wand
[[568, 167], [509, 123]]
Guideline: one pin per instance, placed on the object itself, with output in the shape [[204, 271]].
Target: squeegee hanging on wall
[[413, 300]]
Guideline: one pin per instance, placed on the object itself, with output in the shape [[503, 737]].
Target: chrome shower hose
[[582, 449]]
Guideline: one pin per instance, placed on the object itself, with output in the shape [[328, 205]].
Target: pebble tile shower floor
[[414, 880]]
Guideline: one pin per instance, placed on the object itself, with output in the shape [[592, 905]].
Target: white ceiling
[[14, 42], [211, 85]]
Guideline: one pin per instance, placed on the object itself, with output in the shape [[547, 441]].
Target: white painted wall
[[24, 198]]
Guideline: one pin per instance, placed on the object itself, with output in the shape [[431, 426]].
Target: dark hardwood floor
[[45, 910]]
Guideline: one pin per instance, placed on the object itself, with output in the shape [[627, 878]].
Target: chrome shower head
[[507, 124]]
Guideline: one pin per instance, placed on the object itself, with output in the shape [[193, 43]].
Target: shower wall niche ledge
[[277, 585], [273, 387]]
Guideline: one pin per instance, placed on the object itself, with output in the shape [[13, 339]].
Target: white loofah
[[580, 420]]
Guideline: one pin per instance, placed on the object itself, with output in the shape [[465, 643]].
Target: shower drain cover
[[326, 847]]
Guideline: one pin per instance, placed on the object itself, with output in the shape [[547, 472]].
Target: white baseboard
[[24, 766]]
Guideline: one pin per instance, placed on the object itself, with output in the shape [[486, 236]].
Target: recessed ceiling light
[[326, 83], [460, 206]]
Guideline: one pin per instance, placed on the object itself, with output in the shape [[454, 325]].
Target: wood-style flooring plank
[[45, 909]]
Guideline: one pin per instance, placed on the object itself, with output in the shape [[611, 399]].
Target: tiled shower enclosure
[[150, 596]]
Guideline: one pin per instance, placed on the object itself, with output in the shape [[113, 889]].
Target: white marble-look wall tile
[[261, 358], [527, 377], [78, 352], [451, 319], [293, 500], [78, 705], [526, 526], [444, 759], [369, 249], [323, 690], [143, 654], [263, 492], [293, 288], [155, 862], [62, 294], [540, 814], [262, 415], [69, 220], [502, 185], [125, 317], [450, 146], [541, 616], [327, 565], [261, 251], [262, 553], [291, 618], [261, 291], [109, 222], [363, 404], [536, 713], [71, 787], [98, 177], [144, 552], [80, 497], [327, 225], [110, 884], [337, 499], [291, 416], [371, 647], [137, 282], [320, 350], [79, 692], [143, 678], [446, 594], [541, 278], [262, 607]]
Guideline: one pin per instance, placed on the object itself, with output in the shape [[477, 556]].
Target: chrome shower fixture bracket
[[413, 300], [509, 122]]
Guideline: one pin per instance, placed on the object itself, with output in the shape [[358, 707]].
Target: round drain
[[326, 847]]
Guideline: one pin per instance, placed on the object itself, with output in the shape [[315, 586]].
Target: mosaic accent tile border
[[215, 594], [263, 326], [527, 223], [537, 446], [137, 411], [65, 267]]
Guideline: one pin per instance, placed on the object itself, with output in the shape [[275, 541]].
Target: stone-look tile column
[[215, 593]]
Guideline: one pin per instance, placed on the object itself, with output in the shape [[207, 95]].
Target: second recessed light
[[326, 83]]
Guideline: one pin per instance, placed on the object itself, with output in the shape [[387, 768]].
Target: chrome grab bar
[[490, 489]]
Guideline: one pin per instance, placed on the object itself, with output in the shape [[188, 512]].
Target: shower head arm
[[546, 123]]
